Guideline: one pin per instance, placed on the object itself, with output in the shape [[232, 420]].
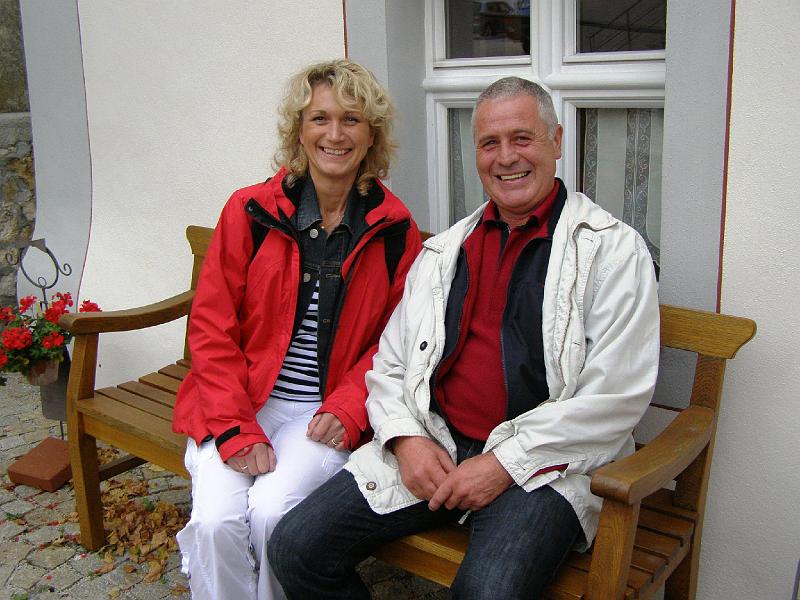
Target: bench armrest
[[634, 477], [133, 318]]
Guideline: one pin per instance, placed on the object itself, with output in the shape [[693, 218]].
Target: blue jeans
[[516, 543]]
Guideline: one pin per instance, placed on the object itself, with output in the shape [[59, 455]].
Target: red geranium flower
[[65, 298], [26, 302], [53, 314], [17, 338], [6, 314], [89, 306], [52, 340], [3, 359]]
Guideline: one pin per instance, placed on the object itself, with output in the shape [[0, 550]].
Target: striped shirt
[[299, 376]]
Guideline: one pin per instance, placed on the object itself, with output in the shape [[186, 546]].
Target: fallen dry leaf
[[136, 525], [179, 590]]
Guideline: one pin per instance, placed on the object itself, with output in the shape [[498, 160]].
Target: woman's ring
[[244, 468], [333, 441]]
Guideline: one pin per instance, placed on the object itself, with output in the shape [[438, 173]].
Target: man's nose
[[508, 154]]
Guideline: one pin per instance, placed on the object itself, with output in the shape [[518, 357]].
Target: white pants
[[233, 514]]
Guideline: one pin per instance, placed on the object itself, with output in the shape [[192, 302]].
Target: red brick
[[45, 467]]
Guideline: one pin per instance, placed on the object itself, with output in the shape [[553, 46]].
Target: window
[[603, 62]]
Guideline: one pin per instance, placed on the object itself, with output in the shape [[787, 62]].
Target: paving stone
[[10, 530], [51, 557], [86, 564], [63, 576], [13, 593], [26, 576], [11, 554], [43, 535], [17, 507]]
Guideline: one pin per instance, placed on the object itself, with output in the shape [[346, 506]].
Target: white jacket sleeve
[[614, 382], [389, 412]]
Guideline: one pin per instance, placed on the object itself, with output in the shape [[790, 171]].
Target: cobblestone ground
[[40, 559]]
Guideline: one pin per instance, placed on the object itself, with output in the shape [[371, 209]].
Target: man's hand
[[473, 484], [423, 463], [260, 458], [326, 428]]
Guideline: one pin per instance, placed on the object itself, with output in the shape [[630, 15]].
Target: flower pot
[[43, 372], [54, 395]]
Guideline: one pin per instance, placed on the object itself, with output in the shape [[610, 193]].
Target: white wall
[[752, 535], [181, 100]]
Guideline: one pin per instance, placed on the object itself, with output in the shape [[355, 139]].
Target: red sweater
[[471, 388]]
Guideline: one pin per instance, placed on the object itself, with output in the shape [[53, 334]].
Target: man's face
[[515, 157]]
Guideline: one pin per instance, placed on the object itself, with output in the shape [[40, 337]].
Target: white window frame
[[596, 80]]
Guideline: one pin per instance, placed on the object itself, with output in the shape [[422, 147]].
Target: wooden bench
[[649, 535]]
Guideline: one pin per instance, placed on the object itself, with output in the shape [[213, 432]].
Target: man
[[521, 356]]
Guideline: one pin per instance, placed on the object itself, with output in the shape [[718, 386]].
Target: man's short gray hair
[[508, 87]]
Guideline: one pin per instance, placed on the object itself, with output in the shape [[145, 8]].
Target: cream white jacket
[[600, 324]]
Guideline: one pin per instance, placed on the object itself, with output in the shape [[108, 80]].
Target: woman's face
[[335, 140]]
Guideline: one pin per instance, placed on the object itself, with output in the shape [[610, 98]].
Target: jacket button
[[313, 234], [423, 345], [306, 277], [371, 485]]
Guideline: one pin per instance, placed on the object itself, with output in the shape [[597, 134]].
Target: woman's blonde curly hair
[[355, 89]]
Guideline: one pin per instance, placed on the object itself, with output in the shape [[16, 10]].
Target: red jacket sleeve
[[218, 364]]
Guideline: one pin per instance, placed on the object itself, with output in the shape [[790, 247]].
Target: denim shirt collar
[[308, 213]]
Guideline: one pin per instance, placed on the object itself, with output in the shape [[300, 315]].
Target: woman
[[298, 282]]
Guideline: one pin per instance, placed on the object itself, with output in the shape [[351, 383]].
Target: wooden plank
[[185, 363], [162, 382], [177, 371], [156, 409], [151, 452], [662, 501], [133, 422], [569, 584], [431, 567], [704, 332], [674, 527], [149, 392], [659, 545], [120, 465]]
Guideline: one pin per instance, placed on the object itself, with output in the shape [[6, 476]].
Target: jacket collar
[[281, 201]]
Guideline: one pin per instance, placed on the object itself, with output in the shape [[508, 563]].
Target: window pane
[[466, 192], [620, 166], [483, 29], [618, 25]]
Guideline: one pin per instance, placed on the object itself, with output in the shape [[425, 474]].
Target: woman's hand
[[326, 428], [254, 460]]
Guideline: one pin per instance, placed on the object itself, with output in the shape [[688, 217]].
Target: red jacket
[[242, 316]]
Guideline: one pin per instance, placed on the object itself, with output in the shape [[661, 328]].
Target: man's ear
[[557, 135]]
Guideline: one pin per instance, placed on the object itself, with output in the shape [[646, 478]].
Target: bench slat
[[162, 382], [149, 392], [132, 421], [666, 525], [177, 371], [148, 406]]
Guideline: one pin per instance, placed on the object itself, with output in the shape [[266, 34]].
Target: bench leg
[[86, 481]]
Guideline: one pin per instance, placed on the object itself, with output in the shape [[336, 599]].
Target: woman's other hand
[[254, 460], [326, 428]]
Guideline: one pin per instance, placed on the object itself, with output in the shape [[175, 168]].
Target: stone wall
[[17, 188]]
